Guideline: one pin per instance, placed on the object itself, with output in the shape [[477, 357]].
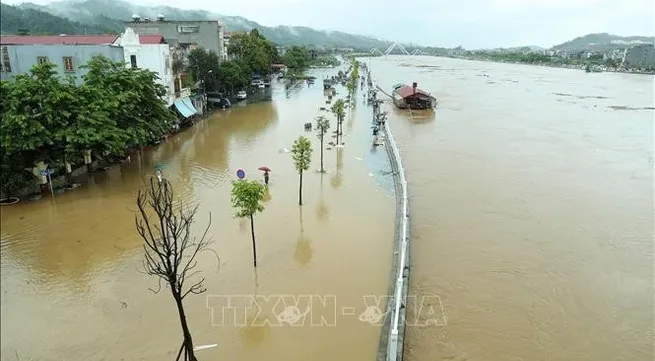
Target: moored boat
[[411, 97]]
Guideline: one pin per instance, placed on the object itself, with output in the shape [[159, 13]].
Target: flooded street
[[72, 281], [531, 213], [532, 210]]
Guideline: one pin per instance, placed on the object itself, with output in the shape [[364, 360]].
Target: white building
[[152, 53]]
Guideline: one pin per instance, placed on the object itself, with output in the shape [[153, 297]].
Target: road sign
[[46, 172], [241, 174]]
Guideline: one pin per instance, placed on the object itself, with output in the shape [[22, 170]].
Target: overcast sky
[[470, 23]]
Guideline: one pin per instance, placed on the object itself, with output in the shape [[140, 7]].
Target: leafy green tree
[[254, 50], [132, 97], [203, 66], [296, 58], [339, 111], [36, 108], [246, 199], [232, 75], [301, 152], [322, 126]]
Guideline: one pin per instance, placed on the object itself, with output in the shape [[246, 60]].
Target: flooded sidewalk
[[72, 281]]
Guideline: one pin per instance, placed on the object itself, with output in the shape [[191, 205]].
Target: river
[[532, 210], [532, 221], [73, 286]]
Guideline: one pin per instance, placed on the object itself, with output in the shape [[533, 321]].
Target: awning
[[183, 109], [189, 105]]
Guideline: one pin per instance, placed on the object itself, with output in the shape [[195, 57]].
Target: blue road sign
[[47, 172], [241, 174]]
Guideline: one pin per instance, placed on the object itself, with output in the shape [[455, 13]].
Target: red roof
[[151, 39], [57, 39], [407, 91]]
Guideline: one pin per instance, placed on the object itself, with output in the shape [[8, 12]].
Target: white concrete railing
[[398, 299]]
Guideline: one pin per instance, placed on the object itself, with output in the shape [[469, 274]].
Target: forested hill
[[15, 20]]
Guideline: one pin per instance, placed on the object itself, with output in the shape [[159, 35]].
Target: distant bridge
[[398, 47]]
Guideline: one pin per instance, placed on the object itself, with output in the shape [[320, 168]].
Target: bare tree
[[170, 248]]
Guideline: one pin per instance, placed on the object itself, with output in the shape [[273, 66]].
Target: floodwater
[[532, 221], [532, 210], [73, 286]]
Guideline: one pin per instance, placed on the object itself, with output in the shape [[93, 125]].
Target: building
[[184, 34], [226, 45], [18, 54], [149, 52], [68, 52], [639, 56]]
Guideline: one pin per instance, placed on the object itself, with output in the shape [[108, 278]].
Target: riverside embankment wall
[[392, 337]]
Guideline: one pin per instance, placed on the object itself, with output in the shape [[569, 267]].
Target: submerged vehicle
[[242, 95], [327, 83], [411, 97]]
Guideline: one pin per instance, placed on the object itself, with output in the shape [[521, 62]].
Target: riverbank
[[559, 65]]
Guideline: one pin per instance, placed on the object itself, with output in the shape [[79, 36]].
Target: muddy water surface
[[72, 286], [532, 210]]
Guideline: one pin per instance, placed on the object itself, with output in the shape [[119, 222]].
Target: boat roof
[[406, 91]]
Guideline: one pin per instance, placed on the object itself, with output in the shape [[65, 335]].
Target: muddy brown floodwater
[[72, 287], [532, 210]]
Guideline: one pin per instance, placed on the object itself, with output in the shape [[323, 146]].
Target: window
[[41, 59], [68, 64], [133, 61], [188, 29], [4, 61]]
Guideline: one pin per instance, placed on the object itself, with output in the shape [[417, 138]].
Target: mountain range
[[108, 16], [603, 42], [98, 16]]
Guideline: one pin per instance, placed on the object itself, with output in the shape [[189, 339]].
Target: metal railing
[[397, 326]]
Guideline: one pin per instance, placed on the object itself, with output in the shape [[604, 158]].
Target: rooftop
[[407, 91], [151, 39], [57, 39]]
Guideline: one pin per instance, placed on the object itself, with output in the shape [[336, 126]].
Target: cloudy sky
[[470, 23]]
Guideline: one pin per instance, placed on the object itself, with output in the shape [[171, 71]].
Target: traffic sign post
[[241, 174]]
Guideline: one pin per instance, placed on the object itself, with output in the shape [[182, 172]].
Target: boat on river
[[411, 97]]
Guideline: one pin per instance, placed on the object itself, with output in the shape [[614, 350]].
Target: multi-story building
[[149, 52], [226, 46], [18, 54], [639, 56], [68, 52], [208, 34]]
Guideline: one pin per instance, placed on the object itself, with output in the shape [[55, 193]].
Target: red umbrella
[[264, 169]]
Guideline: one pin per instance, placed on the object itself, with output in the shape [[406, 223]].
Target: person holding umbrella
[[266, 170]]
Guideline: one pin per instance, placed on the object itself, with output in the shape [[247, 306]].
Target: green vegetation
[[296, 58], [542, 59], [254, 51], [49, 119], [15, 20], [339, 111], [246, 199], [322, 126], [353, 79], [301, 154]]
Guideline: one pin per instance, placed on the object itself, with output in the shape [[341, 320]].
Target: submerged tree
[[246, 198], [322, 126], [170, 249], [339, 111], [301, 154]]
